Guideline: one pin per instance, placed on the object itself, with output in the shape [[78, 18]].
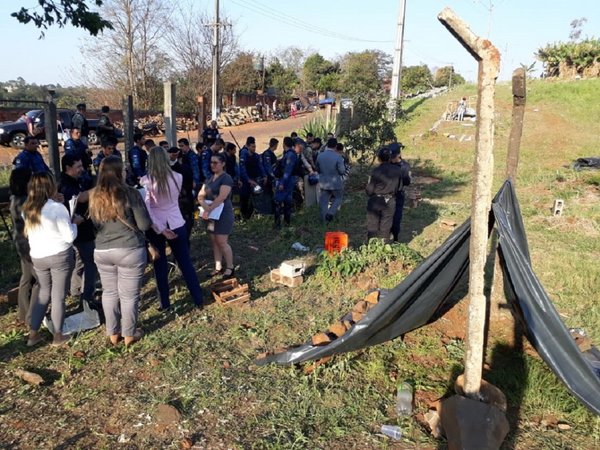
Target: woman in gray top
[[120, 217], [215, 192]]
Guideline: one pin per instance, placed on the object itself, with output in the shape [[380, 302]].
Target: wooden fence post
[[488, 58], [519, 92], [128, 125], [170, 119]]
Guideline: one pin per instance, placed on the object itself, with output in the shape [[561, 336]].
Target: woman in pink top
[[162, 193]]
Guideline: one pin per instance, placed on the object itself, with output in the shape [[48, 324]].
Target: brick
[[372, 297]]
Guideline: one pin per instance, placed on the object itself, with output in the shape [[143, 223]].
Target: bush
[[351, 262]]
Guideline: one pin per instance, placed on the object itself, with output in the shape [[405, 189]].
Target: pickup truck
[[13, 133]]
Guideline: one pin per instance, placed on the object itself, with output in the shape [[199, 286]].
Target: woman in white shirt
[[51, 233]]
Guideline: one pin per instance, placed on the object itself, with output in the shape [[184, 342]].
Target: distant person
[[331, 168], [462, 108], [293, 109], [210, 133], [105, 127], [79, 121], [138, 159], [381, 189], [165, 145], [396, 155], [285, 183], [186, 195], [120, 218], [163, 186], [215, 147], [76, 147], [29, 288], [51, 233], [30, 157], [25, 118], [190, 159], [231, 165], [252, 175]]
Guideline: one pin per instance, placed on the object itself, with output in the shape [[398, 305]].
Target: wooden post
[[488, 58], [516, 131], [52, 135], [128, 124], [201, 116], [499, 315], [170, 119]]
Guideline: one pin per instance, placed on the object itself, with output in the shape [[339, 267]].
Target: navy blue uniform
[[205, 171], [137, 160], [284, 188], [400, 196], [251, 169], [190, 159], [34, 161]]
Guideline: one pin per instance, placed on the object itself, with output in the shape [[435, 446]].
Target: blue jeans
[[181, 251]]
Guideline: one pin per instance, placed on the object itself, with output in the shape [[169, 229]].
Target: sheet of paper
[[73, 204], [215, 213]]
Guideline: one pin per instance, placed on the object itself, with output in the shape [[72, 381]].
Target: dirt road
[[262, 131]]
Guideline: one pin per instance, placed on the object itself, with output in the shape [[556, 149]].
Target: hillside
[[201, 363]]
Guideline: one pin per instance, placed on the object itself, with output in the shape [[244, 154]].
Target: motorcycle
[[148, 129]]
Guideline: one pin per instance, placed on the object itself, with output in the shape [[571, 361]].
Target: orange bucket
[[335, 241]]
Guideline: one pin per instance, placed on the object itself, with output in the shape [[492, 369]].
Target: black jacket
[[69, 187]]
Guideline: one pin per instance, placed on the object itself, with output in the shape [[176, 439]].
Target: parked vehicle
[[13, 133], [148, 129]]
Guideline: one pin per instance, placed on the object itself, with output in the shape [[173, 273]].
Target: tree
[[315, 70], [283, 80], [576, 28], [445, 76], [375, 129], [75, 12], [240, 75], [130, 57], [364, 71], [416, 79], [191, 38]]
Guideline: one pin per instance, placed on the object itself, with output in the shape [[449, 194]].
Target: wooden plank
[[311, 367], [361, 307]]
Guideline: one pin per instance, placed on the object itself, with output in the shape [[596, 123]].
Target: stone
[[472, 425], [29, 377], [434, 423], [488, 393], [167, 415]]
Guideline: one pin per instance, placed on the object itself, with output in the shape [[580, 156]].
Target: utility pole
[[397, 63], [215, 61]]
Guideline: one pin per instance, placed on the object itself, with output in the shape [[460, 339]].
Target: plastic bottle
[[404, 399], [392, 431]]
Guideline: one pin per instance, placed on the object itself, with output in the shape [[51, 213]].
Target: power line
[[292, 21]]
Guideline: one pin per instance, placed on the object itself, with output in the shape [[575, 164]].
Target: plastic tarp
[[422, 297], [535, 310], [76, 323], [434, 287]]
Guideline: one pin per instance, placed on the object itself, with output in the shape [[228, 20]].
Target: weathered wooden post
[[519, 91], [170, 119], [201, 115], [52, 134], [500, 318], [128, 124], [488, 58]]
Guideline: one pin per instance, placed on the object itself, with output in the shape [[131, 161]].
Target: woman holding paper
[[215, 195], [162, 200]]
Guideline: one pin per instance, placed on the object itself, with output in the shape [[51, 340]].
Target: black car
[[13, 133]]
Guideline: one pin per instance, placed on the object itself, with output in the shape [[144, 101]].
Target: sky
[[330, 27]]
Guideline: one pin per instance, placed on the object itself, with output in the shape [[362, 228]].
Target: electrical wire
[[293, 21]]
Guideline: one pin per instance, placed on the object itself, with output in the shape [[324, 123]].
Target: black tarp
[[534, 309], [432, 289]]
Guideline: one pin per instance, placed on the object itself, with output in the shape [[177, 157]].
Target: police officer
[[383, 184], [30, 157], [252, 174], [189, 158], [214, 147], [285, 183], [210, 134], [395, 150], [137, 159]]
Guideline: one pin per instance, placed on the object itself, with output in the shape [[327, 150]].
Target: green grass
[[202, 363]]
